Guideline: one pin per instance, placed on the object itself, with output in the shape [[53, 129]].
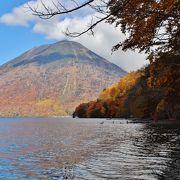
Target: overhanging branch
[[49, 12]]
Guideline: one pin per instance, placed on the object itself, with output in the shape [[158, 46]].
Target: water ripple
[[87, 149]]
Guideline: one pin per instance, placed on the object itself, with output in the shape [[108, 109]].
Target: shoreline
[[110, 120]]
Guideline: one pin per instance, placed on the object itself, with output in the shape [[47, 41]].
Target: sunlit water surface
[[93, 149]]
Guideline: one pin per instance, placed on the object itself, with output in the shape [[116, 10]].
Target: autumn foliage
[[149, 24], [152, 90]]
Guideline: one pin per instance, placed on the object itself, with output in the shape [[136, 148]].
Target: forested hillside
[[152, 92], [51, 80]]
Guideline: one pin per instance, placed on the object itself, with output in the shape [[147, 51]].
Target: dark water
[[65, 148]]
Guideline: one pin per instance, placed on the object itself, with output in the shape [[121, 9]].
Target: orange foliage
[[155, 89]]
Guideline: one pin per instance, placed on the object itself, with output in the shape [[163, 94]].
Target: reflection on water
[[65, 148]]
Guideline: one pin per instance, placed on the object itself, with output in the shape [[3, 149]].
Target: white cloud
[[105, 35], [18, 16], [105, 38], [22, 15]]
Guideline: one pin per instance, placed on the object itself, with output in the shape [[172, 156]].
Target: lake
[[91, 149]]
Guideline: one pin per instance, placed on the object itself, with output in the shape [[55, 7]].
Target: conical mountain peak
[[53, 79], [58, 53]]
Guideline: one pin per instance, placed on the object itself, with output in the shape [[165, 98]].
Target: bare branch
[[77, 34], [49, 13], [143, 22]]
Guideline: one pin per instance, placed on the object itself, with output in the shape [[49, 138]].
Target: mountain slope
[[53, 79]]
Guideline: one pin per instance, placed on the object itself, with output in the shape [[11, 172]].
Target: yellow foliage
[[129, 81], [120, 88], [152, 90], [51, 107], [45, 103]]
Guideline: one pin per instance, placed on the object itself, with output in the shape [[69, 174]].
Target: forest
[[152, 27]]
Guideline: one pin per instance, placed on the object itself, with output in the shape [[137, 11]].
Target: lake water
[[92, 149]]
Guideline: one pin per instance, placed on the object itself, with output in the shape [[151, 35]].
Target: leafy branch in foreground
[[152, 26]]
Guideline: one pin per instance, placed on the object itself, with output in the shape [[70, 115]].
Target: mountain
[[51, 80]]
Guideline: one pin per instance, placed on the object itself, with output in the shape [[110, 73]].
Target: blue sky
[[16, 39], [21, 31]]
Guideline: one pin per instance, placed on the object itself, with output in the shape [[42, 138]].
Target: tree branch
[[49, 13], [76, 34]]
